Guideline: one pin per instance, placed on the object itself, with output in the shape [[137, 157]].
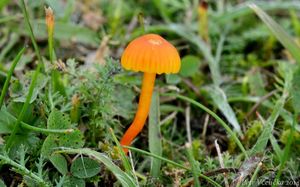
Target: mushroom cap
[[152, 54]]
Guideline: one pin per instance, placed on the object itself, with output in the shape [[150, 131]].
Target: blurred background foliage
[[244, 70]]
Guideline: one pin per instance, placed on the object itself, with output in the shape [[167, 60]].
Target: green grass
[[66, 100], [8, 76]]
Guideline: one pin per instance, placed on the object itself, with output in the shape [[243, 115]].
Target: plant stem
[[25, 107], [35, 46], [10, 18], [9, 74], [124, 158], [286, 152], [254, 175], [158, 157], [141, 21], [32, 84], [50, 45], [195, 169], [45, 131], [24, 170]]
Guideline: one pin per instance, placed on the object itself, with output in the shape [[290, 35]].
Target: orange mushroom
[[152, 55]]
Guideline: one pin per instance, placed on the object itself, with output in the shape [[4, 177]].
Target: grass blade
[[3, 3], [7, 120], [32, 84], [194, 164], [9, 74], [8, 47], [276, 147], [253, 178], [278, 31], [24, 108], [263, 139], [158, 157], [163, 10], [286, 153], [224, 125], [155, 144], [124, 158], [173, 163], [123, 177], [32, 37], [220, 100], [241, 10]]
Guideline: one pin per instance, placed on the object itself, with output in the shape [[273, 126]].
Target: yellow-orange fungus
[[152, 55]]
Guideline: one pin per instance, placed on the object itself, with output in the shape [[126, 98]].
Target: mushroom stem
[[142, 111]]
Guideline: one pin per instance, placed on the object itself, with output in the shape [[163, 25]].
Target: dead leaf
[[246, 170]]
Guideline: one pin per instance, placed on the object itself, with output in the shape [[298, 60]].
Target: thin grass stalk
[[214, 115], [9, 75], [173, 163], [32, 37], [32, 84]]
